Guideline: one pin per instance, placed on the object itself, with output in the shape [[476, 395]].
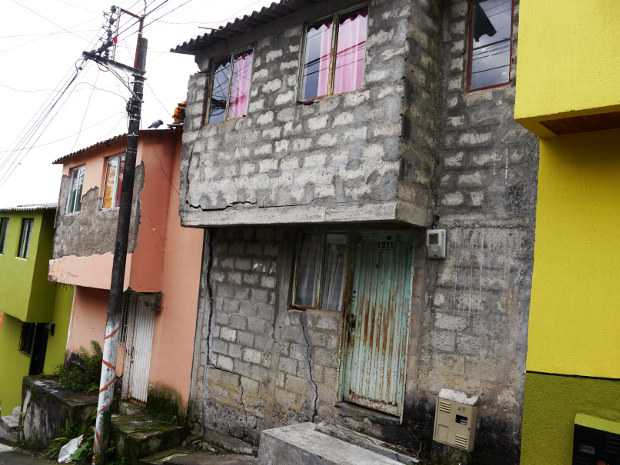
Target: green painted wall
[[13, 364], [550, 405], [57, 344], [25, 292]]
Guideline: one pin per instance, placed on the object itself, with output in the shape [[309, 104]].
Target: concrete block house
[[322, 140], [163, 262]]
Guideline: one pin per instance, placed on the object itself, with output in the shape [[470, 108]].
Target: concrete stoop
[[305, 444], [137, 436], [187, 457], [9, 426]]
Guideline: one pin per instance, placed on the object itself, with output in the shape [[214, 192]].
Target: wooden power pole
[[115, 302]]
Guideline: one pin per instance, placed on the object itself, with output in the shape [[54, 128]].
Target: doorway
[[377, 322]]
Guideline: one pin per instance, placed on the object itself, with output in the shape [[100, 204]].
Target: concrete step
[[185, 457], [303, 444], [138, 435], [9, 427], [229, 443]]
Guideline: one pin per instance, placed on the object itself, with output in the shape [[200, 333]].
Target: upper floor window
[[4, 224], [114, 168], [490, 47], [24, 238], [334, 55], [319, 271], [229, 93], [74, 202]]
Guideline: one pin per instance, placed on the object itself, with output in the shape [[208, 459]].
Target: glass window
[[26, 341], [4, 224], [114, 168], [24, 238], [74, 202], [333, 70], [319, 271], [491, 43], [230, 88]]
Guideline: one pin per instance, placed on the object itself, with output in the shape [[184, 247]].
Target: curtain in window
[[317, 60], [351, 52], [308, 270], [333, 272], [240, 86]]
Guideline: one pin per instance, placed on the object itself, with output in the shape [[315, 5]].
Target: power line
[[36, 13]]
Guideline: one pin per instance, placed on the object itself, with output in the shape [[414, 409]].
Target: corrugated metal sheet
[[243, 24], [28, 208], [378, 323]]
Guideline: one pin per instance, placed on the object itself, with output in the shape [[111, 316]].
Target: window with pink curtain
[[332, 70], [351, 52], [240, 86]]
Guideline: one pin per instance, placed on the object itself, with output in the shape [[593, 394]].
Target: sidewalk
[[12, 456]]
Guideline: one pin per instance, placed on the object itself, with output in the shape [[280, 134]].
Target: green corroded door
[[378, 321]]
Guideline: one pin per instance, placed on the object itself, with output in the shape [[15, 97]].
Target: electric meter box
[[596, 440], [436, 243], [455, 419]]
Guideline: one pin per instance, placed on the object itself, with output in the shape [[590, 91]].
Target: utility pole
[[115, 302]]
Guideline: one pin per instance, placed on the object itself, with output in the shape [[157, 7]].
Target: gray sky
[[40, 41]]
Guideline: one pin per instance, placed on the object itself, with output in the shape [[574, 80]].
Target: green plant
[[83, 372], [164, 404], [71, 430]]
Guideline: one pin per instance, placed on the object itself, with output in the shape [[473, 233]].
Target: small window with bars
[[490, 44], [319, 276], [26, 341], [24, 238], [74, 202]]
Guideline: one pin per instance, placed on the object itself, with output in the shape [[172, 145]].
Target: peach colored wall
[[173, 341], [78, 271]]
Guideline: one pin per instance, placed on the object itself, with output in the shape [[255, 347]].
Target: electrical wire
[[86, 108]]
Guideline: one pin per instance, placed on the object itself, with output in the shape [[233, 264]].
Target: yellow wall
[[13, 364], [568, 57], [574, 325]]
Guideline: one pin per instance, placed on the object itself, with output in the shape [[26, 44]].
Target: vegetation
[[164, 404], [83, 372], [72, 430]]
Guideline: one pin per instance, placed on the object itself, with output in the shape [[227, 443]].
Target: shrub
[[164, 404], [83, 371]]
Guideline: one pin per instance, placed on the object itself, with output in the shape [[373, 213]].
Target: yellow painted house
[[34, 313], [568, 93]]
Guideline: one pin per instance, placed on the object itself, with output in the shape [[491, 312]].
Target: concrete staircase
[[311, 444], [9, 426]]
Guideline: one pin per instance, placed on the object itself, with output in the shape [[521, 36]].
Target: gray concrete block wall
[[337, 159]]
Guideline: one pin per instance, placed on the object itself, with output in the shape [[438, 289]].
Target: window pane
[[351, 51], [317, 60], [491, 35], [24, 238], [308, 269], [4, 222], [240, 86], [219, 92], [119, 182], [333, 272], [110, 180]]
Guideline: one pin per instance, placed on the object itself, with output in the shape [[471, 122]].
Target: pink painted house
[[163, 262]]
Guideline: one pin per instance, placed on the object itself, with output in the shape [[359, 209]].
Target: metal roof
[[243, 24], [120, 139], [28, 208]]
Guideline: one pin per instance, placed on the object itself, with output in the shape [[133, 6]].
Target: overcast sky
[[40, 42]]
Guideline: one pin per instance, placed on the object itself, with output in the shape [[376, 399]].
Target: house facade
[[572, 103], [33, 312], [322, 140], [163, 262]]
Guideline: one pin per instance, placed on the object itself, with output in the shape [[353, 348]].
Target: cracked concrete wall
[[92, 231], [341, 158]]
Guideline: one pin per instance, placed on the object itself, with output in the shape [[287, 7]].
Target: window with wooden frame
[[26, 340], [74, 202], [4, 224], [113, 180], [490, 43], [229, 88], [24, 238], [320, 264], [334, 55]]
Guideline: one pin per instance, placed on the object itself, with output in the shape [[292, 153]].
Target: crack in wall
[[303, 319]]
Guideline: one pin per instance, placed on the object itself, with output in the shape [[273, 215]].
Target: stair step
[[137, 436], [303, 444], [184, 457], [229, 443]]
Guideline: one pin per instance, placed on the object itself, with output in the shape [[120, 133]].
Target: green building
[[34, 313]]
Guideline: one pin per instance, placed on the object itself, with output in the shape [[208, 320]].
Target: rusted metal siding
[[378, 322]]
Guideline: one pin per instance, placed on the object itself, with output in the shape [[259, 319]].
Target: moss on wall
[[61, 317], [551, 403], [13, 364]]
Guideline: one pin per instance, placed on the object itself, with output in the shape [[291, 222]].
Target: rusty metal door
[[378, 321]]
